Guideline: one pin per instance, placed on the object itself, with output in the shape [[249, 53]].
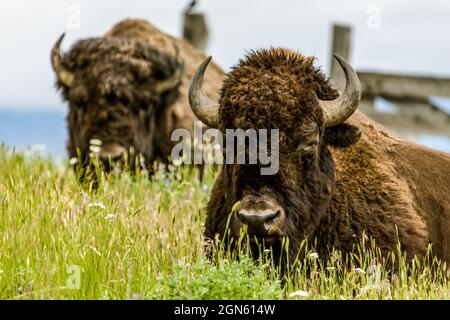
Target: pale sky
[[407, 36]]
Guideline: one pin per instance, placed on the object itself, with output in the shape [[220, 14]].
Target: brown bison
[[341, 176], [128, 89]]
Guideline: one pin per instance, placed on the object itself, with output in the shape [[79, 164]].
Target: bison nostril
[[269, 216], [112, 152], [257, 217]]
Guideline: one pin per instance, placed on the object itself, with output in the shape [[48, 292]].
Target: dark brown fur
[[359, 181], [113, 99]]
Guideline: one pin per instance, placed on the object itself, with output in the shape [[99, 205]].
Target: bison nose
[[111, 152], [257, 218], [258, 222]]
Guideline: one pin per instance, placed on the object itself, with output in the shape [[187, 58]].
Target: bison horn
[[205, 109], [65, 77], [175, 79], [338, 110]]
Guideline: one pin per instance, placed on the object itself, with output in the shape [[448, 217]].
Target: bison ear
[[342, 135]]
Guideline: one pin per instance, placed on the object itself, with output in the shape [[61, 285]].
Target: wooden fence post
[[341, 44], [195, 30]]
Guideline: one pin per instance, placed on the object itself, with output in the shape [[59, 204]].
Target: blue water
[[25, 129]]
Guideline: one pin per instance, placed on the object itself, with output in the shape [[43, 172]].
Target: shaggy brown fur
[[336, 185], [112, 97]]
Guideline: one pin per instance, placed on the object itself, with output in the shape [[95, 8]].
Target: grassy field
[[136, 238]]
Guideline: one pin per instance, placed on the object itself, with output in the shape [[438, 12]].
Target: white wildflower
[[299, 293], [95, 149], [359, 270], [136, 296], [314, 255], [73, 161], [95, 142], [96, 205], [177, 162]]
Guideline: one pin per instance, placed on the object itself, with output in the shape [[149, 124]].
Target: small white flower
[[314, 255], [95, 149], [96, 205], [109, 216], [95, 142], [73, 161], [177, 162], [359, 270], [299, 293]]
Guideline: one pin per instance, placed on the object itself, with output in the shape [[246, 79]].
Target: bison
[[128, 89], [341, 177]]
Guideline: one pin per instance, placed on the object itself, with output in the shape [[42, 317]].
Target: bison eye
[[308, 146], [111, 98], [311, 146]]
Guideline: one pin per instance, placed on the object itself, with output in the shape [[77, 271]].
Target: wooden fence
[[412, 109]]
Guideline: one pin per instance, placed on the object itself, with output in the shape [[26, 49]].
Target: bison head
[[278, 89], [116, 89]]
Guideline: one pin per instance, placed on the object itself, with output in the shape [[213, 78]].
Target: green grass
[[140, 238]]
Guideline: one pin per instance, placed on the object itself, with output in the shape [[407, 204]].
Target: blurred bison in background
[[128, 89], [338, 182]]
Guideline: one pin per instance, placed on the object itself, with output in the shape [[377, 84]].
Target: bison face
[[278, 89], [292, 202], [116, 89]]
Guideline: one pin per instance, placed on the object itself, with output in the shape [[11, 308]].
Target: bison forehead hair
[[274, 88], [116, 68]]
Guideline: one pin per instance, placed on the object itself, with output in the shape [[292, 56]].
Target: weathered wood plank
[[403, 87]]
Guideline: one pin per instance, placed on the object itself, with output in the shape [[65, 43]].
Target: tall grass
[[140, 238]]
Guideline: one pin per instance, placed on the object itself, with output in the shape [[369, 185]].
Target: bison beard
[[336, 185]]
